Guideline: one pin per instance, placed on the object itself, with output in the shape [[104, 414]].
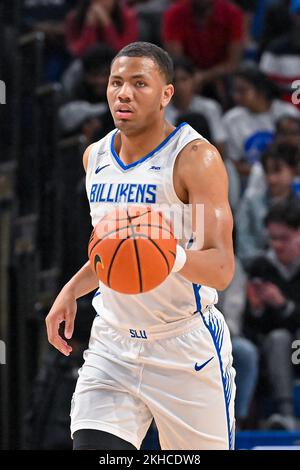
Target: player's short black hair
[[278, 153], [146, 49], [284, 213]]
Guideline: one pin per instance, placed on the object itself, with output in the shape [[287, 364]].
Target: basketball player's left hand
[[63, 310]]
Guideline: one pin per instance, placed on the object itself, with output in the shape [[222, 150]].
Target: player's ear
[[168, 92]]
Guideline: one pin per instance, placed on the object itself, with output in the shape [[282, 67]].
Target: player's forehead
[[127, 67]]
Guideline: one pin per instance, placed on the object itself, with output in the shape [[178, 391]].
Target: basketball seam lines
[[107, 235], [92, 249], [134, 216], [161, 252], [156, 226], [138, 264], [136, 251], [125, 228], [113, 259]]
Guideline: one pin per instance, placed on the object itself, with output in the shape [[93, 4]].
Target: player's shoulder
[[199, 168], [198, 156], [86, 154], [199, 149], [95, 147]]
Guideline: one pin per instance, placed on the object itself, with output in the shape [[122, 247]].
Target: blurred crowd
[[237, 76]]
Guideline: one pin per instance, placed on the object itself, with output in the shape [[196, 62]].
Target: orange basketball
[[132, 249]]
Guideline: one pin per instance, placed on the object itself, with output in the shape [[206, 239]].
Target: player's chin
[[124, 124]]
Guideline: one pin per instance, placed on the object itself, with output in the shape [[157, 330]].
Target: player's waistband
[[160, 331]]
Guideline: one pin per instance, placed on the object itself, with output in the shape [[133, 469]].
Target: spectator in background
[[87, 78], [100, 21], [250, 53], [250, 125], [208, 32], [150, 5], [81, 117], [261, 9], [201, 124], [198, 122], [186, 100], [48, 18], [276, 22], [273, 316], [232, 303], [150, 15], [280, 163], [281, 60], [288, 130]]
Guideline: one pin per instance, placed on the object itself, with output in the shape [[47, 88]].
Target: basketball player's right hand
[[63, 310]]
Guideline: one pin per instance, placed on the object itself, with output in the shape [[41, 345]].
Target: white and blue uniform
[[164, 354]]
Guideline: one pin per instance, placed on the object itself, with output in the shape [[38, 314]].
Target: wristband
[[180, 259]]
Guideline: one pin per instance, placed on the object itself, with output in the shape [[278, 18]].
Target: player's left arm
[[203, 178]]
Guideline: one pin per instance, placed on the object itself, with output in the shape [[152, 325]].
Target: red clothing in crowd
[[79, 42], [205, 45]]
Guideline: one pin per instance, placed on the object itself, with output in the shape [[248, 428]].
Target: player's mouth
[[123, 112]]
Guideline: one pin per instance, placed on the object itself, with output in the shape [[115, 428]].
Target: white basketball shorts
[[180, 374]]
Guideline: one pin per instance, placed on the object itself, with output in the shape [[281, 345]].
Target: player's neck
[[131, 148]]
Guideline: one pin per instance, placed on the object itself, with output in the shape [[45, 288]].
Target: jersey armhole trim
[[169, 183]]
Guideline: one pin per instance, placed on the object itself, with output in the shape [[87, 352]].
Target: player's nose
[[125, 92]]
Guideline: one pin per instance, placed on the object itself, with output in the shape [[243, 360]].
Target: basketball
[[132, 250]]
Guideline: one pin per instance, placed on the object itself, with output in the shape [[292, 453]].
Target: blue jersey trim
[[216, 330], [142, 159], [98, 292], [197, 295]]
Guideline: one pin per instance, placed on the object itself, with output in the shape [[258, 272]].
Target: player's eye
[[140, 84], [116, 83]]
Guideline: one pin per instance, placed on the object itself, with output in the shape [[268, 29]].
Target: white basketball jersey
[[148, 181]]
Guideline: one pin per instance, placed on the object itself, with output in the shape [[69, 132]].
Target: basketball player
[[164, 354]]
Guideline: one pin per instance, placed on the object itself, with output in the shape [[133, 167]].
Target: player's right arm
[[200, 179], [65, 305]]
